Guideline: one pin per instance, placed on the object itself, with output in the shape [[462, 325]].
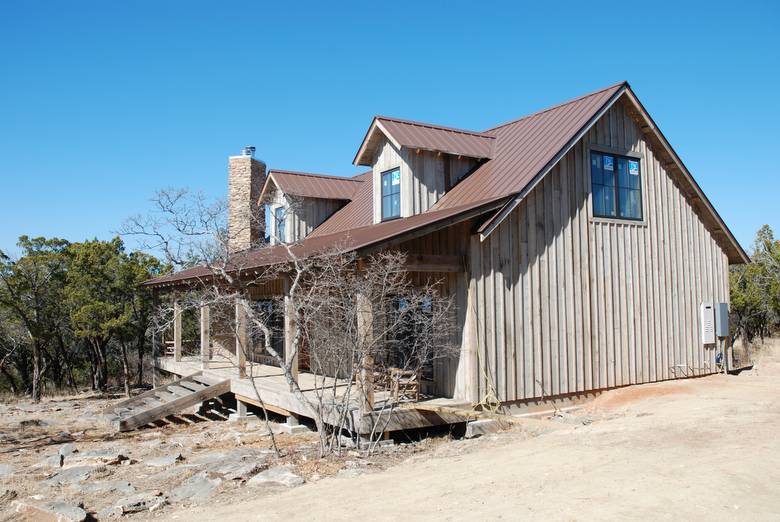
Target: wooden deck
[[268, 382]]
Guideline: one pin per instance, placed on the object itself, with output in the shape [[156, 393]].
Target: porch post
[[365, 325], [242, 337], [176, 331], [289, 333], [205, 336]]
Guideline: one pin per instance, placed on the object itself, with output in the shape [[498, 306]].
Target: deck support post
[[176, 331], [365, 325], [290, 358], [242, 337], [205, 336]]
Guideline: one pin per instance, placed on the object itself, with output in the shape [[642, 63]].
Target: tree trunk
[[140, 348], [125, 370], [36, 377]]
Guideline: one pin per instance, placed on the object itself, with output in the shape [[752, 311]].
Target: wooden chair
[[404, 384]]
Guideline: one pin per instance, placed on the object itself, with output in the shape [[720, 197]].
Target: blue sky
[[102, 103]]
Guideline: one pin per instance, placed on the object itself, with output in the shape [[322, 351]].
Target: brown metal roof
[[425, 136], [349, 240], [524, 147], [357, 213], [309, 185]]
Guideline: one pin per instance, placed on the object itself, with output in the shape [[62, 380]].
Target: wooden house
[[576, 243]]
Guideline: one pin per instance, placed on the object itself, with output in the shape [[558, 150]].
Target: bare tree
[[367, 329]]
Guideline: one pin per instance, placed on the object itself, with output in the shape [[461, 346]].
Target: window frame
[[382, 194], [627, 156], [280, 224]]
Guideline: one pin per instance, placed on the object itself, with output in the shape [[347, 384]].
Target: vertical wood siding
[[425, 176], [566, 302]]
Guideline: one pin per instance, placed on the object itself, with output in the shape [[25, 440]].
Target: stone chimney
[[246, 218]]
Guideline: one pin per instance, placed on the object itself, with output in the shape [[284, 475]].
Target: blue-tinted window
[[279, 221], [616, 186], [391, 194]]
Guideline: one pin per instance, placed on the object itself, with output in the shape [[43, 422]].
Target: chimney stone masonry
[[246, 220]]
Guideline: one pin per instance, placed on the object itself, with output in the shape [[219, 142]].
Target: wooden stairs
[[166, 400]]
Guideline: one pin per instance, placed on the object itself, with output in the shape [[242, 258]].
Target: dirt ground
[[691, 449], [694, 449]]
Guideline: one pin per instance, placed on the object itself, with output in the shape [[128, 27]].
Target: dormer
[[414, 164], [298, 202]]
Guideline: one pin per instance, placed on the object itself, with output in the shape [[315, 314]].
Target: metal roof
[[524, 147], [522, 151], [309, 185], [425, 136]]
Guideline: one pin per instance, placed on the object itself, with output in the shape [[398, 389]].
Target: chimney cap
[[249, 150]]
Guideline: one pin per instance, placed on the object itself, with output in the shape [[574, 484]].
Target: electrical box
[[721, 320], [707, 312]]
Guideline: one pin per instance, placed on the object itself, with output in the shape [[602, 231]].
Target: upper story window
[[279, 224], [616, 183], [391, 194]]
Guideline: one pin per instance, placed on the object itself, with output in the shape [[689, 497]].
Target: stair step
[[179, 390], [208, 381], [152, 402], [194, 386], [166, 396]]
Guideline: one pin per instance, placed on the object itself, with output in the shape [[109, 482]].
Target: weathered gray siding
[[303, 215], [425, 176], [565, 302]]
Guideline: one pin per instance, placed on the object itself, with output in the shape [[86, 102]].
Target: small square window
[[616, 186]]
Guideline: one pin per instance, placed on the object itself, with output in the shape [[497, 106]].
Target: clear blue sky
[[102, 103]]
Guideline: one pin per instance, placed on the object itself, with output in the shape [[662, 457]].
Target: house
[[577, 244]]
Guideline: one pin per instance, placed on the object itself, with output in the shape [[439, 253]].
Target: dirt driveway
[[702, 448]]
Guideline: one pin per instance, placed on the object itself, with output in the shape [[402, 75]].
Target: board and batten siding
[[425, 176], [305, 214], [564, 302]]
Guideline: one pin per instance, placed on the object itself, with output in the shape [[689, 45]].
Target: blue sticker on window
[[633, 167], [609, 163], [396, 177]]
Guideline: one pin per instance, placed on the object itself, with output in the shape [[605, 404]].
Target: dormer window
[[391, 194], [279, 223]]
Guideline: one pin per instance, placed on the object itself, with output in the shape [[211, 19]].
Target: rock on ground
[[147, 501], [51, 512], [199, 487], [6, 470], [73, 475], [167, 460], [109, 486], [278, 475]]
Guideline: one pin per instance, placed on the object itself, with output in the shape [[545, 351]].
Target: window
[[279, 221], [617, 186], [412, 339], [391, 194]]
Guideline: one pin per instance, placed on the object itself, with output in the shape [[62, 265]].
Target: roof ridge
[[435, 126], [314, 175], [557, 106]]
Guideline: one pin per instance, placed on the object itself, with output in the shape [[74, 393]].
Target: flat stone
[[109, 486], [72, 475], [135, 504], [278, 475], [481, 427], [6, 470], [51, 512], [237, 470], [293, 429], [94, 458], [198, 487], [167, 460]]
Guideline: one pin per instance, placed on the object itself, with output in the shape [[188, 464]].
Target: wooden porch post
[[205, 336], [242, 337], [289, 333], [176, 331], [365, 324]]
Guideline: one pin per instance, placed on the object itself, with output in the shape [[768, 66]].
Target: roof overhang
[[374, 135]]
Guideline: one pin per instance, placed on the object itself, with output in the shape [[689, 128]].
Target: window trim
[[382, 174], [627, 155]]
